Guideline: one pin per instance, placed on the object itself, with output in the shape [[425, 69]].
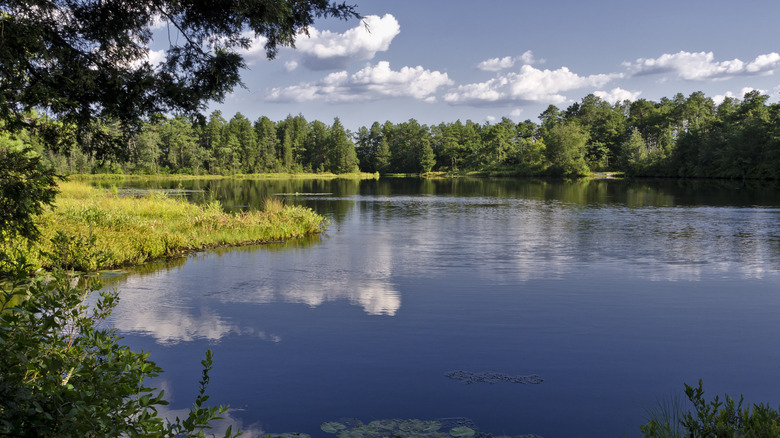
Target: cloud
[[290, 65], [155, 57], [617, 95], [158, 22], [528, 58], [326, 50], [701, 66], [529, 85], [370, 83], [256, 51], [498, 64], [718, 99]]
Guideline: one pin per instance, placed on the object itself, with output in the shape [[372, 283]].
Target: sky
[[445, 60]]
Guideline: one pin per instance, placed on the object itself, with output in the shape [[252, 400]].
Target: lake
[[560, 309]]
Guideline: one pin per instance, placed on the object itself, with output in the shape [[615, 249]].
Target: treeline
[[217, 146], [678, 137]]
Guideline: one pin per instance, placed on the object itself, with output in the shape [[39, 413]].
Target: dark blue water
[[614, 293]]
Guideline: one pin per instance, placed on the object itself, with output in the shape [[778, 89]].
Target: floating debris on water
[[468, 377]]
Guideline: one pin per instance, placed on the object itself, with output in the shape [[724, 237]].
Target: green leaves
[[410, 428], [462, 432], [716, 419], [94, 65], [61, 374], [27, 185], [332, 427]]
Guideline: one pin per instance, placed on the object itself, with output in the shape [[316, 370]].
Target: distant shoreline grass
[[183, 177], [134, 230]]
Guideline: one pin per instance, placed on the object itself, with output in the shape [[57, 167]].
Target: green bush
[[717, 419], [63, 374]]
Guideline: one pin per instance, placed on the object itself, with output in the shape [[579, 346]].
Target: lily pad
[[462, 432], [332, 427]]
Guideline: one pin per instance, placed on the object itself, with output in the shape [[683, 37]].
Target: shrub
[[63, 374], [718, 419]]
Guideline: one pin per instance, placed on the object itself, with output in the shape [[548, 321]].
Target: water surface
[[614, 293]]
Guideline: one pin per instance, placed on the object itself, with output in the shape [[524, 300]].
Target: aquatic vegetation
[[462, 432], [273, 204], [408, 428], [468, 377], [132, 229]]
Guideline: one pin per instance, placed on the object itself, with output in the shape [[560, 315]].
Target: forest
[[688, 137]]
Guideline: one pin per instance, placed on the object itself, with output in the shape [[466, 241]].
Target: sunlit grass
[[273, 205], [252, 176], [133, 230]]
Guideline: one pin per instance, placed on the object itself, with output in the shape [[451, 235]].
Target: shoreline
[[90, 229]]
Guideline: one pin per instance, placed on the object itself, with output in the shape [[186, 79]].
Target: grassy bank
[[178, 177], [99, 229]]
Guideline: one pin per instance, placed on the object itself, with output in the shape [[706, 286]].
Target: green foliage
[[27, 185], [716, 419], [94, 229], [427, 158], [665, 420], [77, 253], [93, 66], [682, 136], [410, 428], [63, 374], [565, 150]]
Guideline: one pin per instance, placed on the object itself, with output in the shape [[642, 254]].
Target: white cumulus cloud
[[529, 85], [290, 65], [698, 66], [617, 95], [498, 64], [718, 99], [326, 50], [370, 83], [156, 57], [256, 50]]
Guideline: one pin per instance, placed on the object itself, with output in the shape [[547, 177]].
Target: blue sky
[[440, 61]]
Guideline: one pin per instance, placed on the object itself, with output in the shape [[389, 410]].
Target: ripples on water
[[615, 293]]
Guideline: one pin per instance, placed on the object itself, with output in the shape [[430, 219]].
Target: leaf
[[332, 427], [462, 432]]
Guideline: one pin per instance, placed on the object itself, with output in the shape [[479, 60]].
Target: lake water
[[613, 293]]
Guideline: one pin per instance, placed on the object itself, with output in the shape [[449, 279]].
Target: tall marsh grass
[[664, 420], [133, 230]]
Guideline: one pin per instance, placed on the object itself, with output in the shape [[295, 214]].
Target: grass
[[666, 417], [177, 177], [134, 230]]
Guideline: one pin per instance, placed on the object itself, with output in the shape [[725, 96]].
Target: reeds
[[133, 230]]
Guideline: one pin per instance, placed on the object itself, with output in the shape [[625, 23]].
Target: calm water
[[613, 293]]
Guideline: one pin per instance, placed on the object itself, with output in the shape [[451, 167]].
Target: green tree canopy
[[85, 60]]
